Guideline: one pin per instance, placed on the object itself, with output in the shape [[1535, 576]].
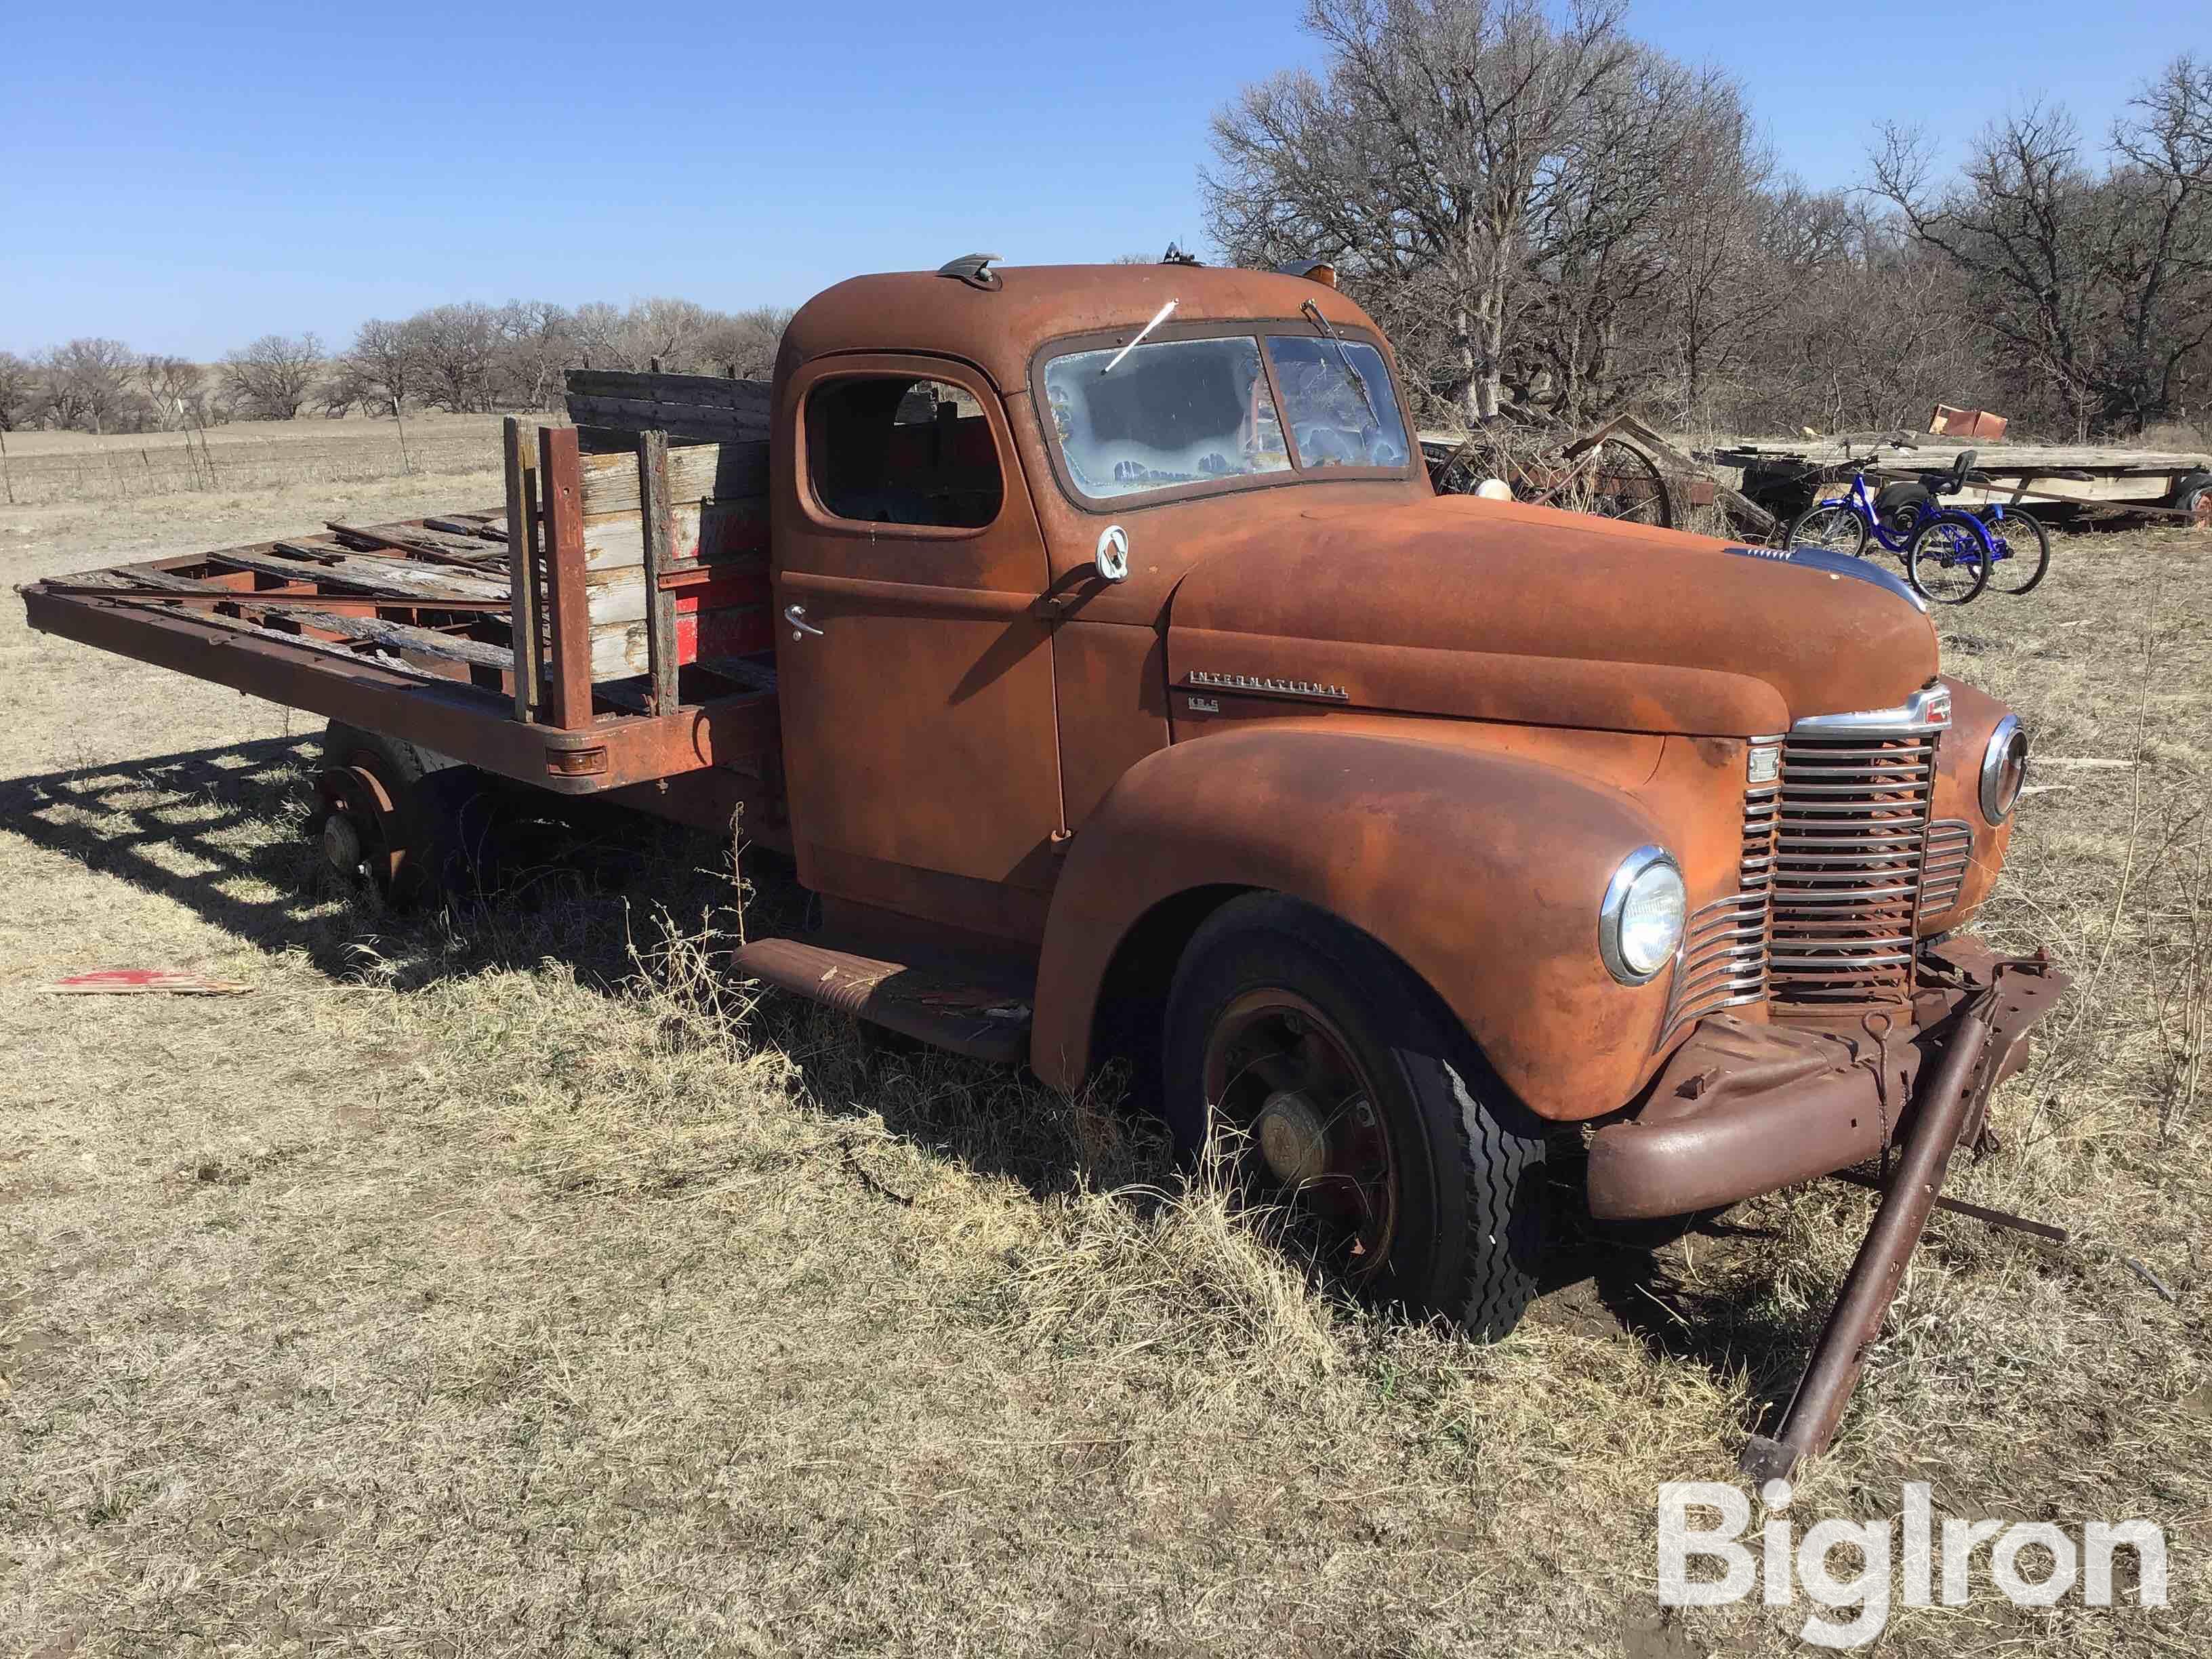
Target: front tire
[[1831, 526], [1331, 1079]]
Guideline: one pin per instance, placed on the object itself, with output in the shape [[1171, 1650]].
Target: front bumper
[[1744, 1108]]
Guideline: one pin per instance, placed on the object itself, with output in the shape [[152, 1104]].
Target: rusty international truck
[[1093, 640]]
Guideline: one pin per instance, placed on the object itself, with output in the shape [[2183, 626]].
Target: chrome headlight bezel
[[2007, 739], [1611, 911]]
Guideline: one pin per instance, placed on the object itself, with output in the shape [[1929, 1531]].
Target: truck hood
[[1498, 611]]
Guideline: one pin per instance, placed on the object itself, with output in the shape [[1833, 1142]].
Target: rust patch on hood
[[1497, 610]]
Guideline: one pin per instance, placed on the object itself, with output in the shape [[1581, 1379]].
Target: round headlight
[[2004, 769], [1640, 923]]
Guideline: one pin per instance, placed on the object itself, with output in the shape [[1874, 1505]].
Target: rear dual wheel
[[412, 824], [1331, 1082]]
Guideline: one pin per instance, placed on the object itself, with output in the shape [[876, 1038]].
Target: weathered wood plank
[[373, 630], [441, 546], [561, 507], [390, 579], [717, 472], [1933, 453], [480, 527], [520, 452], [659, 607], [701, 391], [621, 648], [627, 416], [620, 596], [710, 533]]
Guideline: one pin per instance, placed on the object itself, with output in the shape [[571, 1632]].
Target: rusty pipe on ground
[[1856, 1319]]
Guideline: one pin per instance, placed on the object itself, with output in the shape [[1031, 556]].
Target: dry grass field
[[510, 1282], [47, 468]]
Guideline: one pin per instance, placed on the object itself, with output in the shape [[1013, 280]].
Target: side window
[[894, 449]]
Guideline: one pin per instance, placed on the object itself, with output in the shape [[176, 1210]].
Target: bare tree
[[744, 344], [1424, 158], [2096, 281], [456, 345], [381, 369], [176, 387], [535, 341], [20, 391], [90, 383], [269, 380]]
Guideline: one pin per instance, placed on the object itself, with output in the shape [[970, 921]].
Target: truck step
[[982, 1021]]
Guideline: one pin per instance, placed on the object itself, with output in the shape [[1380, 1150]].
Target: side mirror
[[1112, 556]]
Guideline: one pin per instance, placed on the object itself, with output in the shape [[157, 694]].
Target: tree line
[[1554, 219], [462, 358]]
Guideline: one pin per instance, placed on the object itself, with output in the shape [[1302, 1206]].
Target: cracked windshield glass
[[1337, 395], [1182, 412]]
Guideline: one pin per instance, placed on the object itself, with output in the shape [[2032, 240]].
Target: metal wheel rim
[[354, 790], [1618, 481], [2021, 568], [1270, 1041], [1837, 529], [1946, 563]]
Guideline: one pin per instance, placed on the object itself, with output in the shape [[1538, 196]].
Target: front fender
[[1965, 865], [1482, 872]]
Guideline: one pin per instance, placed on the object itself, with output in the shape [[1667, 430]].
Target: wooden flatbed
[[606, 631], [1783, 475]]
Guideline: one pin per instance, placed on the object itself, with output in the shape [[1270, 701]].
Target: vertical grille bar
[[1724, 950], [1850, 856]]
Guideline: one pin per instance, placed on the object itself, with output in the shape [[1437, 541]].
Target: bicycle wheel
[[1832, 525], [2028, 552], [1946, 564]]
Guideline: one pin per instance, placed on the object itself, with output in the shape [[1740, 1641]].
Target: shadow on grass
[[221, 832], [596, 889]]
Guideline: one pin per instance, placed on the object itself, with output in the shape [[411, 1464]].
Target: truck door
[[914, 666]]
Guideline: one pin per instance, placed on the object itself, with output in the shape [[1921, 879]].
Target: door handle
[[796, 616]]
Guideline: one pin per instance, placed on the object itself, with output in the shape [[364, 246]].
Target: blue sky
[[187, 177]]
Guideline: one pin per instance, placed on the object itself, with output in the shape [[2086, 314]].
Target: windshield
[[1332, 423], [1183, 411], [1198, 412]]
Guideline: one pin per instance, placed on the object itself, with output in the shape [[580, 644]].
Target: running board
[[939, 1009]]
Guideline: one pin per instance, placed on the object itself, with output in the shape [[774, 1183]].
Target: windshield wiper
[[1158, 317], [1343, 358]]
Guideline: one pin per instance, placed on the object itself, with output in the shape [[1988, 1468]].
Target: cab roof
[[999, 329]]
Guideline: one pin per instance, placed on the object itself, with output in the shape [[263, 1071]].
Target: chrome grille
[[1724, 950], [1851, 846], [1950, 851]]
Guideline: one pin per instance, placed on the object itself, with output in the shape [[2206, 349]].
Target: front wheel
[[1831, 526], [1947, 563], [1330, 1079], [2028, 552]]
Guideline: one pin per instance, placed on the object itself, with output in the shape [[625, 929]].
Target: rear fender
[[1483, 872]]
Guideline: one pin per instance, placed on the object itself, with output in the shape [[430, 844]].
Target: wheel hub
[[1292, 1138], [1278, 1072], [359, 823], [342, 843]]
